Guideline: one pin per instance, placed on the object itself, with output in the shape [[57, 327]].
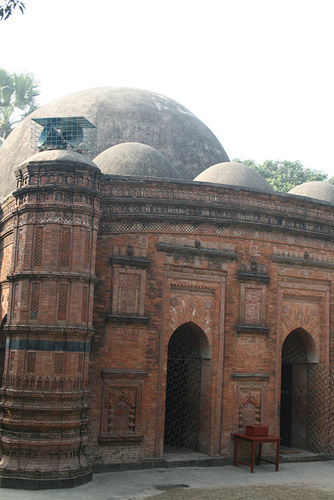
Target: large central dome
[[124, 115]]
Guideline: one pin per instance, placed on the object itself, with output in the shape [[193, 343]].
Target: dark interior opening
[[183, 390], [294, 390]]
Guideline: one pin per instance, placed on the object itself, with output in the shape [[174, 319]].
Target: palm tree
[[18, 94], [7, 8]]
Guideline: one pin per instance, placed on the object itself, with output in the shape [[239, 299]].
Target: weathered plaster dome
[[318, 190], [124, 115], [60, 157], [235, 174], [133, 158]]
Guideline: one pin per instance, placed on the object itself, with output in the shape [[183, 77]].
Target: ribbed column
[[44, 395]]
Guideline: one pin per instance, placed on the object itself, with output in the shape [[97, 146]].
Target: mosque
[[155, 297]]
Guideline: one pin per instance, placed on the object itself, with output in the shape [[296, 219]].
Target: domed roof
[[318, 190], [124, 115], [133, 158], [60, 156], [235, 174]]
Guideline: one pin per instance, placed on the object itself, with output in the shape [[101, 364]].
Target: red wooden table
[[253, 440]]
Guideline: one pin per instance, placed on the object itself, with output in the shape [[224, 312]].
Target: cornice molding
[[224, 255], [252, 329], [257, 376], [299, 262], [255, 277], [129, 260], [127, 318], [110, 373]]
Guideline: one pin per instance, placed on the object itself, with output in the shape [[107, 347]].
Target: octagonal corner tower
[[124, 115]]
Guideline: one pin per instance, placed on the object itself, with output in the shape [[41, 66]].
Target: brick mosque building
[[154, 295]]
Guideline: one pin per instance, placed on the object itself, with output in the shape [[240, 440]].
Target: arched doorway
[[183, 389], [298, 351]]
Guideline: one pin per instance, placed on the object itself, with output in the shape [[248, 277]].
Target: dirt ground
[[265, 492]]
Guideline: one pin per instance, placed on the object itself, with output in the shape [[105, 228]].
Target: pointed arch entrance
[[187, 365], [298, 352]]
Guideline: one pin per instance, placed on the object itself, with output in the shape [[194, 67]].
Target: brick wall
[[241, 269]]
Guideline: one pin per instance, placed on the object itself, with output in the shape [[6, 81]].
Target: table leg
[[277, 455], [235, 450], [260, 453], [253, 456]]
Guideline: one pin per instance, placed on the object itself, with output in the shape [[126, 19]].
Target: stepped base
[[24, 483]]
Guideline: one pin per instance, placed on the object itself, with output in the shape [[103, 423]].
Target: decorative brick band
[[47, 276], [47, 345], [107, 440]]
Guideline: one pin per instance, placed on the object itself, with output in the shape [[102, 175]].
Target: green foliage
[[285, 175], [7, 8], [18, 94], [331, 180]]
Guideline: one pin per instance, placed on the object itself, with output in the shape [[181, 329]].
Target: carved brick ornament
[[122, 403]]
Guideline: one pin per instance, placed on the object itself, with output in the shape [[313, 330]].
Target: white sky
[[258, 73]]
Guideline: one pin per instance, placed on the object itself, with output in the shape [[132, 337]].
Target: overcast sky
[[258, 73]]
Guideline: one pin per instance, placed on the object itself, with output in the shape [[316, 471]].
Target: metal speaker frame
[[50, 137], [72, 132]]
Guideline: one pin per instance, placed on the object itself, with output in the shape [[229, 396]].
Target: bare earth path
[[293, 481], [273, 492]]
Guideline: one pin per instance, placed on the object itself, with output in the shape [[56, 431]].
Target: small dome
[[60, 156], [235, 174], [318, 190], [134, 158]]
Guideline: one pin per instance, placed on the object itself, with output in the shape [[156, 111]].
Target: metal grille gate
[[183, 390], [320, 396], [320, 435]]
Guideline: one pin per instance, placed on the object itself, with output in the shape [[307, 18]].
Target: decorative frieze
[[55, 217], [220, 196], [219, 204], [216, 228]]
